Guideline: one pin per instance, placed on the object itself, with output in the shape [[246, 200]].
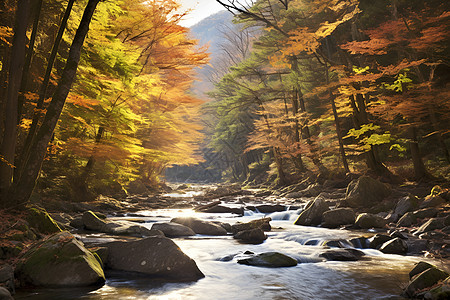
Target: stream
[[377, 276]]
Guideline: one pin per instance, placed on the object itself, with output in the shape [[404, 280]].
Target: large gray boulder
[[155, 256], [366, 192], [367, 221], [312, 214], [92, 222], [407, 220], [406, 204], [269, 260], [337, 217], [252, 236], [263, 224], [200, 226], [173, 229], [61, 260]]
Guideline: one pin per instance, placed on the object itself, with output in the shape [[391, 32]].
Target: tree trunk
[[419, 168], [24, 187], [8, 147], [42, 92]]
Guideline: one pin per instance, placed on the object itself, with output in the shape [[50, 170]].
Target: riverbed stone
[[406, 204], [406, 220], [270, 208], [221, 209], [424, 213], [262, 223], [440, 292], [337, 217], [269, 260], [394, 246], [201, 226], [172, 229], [343, 254], [424, 280], [252, 236], [367, 221], [7, 277], [419, 268], [366, 192], [92, 222], [431, 224], [155, 256], [432, 201], [60, 261], [5, 294], [312, 214], [379, 239]]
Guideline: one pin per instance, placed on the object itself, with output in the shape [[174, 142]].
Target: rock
[[5, 294], [259, 223], [200, 226], [10, 249], [313, 190], [129, 228], [417, 245], [406, 220], [224, 225], [442, 291], [423, 281], [341, 243], [220, 209], [60, 261], [92, 222], [431, 224], [7, 277], [377, 240], [432, 201], [156, 256], [38, 218], [312, 214], [77, 223], [426, 213], [394, 246], [208, 205], [406, 204], [267, 208], [399, 234], [419, 268], [337, 217], [269, 260], [361, 242], [252, 236], [366, 221], [173, 229], [346, 254], [366, 191]]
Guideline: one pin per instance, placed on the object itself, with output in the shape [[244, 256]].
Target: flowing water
[[378, 276]]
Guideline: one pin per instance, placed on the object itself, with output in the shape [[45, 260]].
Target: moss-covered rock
[[441, 292], [419, 268], [269, 260], [423, 281], [38, 218], [61, 260]]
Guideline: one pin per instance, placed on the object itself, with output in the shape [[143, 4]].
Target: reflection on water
[[379, 277]]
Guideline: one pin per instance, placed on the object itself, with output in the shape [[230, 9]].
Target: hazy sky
[[200, 10]]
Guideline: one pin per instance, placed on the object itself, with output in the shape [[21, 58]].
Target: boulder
[[337, 217], [173, 229], [259, 223], [224, 225], [5, 294], [267, 208], [60, 261], [366, 221], [366, 191], [155, 256], [200, 226], [432, 201], [38, 218], [379, 239], [361, 242], [407, 220], [252, 236], [419, 268], [92, 222], [424, 280], [269, 260], [220, 209], [426, 213], [431, 224], [394, 246], [441, 291], [312, 190], [312, 214], [77, 223], [346, 254], [406, 204], [7, 277]]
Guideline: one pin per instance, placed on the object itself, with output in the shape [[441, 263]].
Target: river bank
[[231, 204]]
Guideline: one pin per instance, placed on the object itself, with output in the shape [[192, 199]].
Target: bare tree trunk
[[42, 92], [24, 187], [8, 147], [419, 168]]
